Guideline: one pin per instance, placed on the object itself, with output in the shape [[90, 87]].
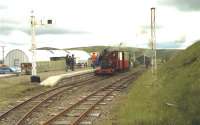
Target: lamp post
[[34, 77]]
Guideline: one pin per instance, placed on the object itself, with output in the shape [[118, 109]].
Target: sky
[[79, 23]]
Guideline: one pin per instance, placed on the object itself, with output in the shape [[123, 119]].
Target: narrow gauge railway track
[[38, 114], [75, 78], [16, 112], [96, 97]]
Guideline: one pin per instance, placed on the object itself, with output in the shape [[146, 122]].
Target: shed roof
[[82, 55]]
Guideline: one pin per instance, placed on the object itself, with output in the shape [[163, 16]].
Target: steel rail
[[78, 75], [84, 114], [41, 94], [82, 100], [20, 122]]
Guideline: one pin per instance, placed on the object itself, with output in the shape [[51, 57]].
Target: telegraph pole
[[144, 58], [153, 40], [3, 51]]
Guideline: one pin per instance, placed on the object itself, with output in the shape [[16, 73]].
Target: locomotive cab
[[112, 61]]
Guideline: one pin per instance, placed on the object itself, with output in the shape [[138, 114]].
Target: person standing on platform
[[66, 62], [72, 62], [147, 63], [69, 62]]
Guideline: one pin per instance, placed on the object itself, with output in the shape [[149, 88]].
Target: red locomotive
[[113, 61]]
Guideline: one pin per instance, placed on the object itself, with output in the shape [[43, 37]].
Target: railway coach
[[112, 61]]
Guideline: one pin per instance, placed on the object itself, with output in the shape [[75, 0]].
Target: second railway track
[[92, 99], [48, 107], [12, 115]]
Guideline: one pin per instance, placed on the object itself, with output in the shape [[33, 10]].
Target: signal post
[[34, 23]]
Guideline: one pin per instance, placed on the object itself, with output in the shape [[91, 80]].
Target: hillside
[[171, 98], [167, 53], [161, 53], [90, 48]]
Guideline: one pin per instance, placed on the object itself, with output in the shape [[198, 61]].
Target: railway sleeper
[[100, 95], [93, 99], [61, 108], [86, 123], [109, 89], [88, 103], [108, 99], [52, 114], [97, 96], [102, 103], [68, 123], [95, 114], [85, 108], [77, 114]]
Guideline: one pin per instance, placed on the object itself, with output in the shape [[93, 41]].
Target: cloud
[[15, 43], [7, 26], [7, 21], [5, 30], [182, 39], [172, 45], [183, 5], [8, 43], [145, 28], [52, 30], [2, 7]]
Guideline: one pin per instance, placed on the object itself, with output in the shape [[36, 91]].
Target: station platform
[[53, 80]]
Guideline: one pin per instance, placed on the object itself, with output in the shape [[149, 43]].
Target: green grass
[[171, 98], [13, 92], [16, 88]]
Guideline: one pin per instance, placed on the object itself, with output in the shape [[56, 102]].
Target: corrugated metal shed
[[15, 57]]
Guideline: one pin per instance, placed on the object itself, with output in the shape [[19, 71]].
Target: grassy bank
[[171, 98]]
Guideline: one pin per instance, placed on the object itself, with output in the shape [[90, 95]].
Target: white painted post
[[33, 44], [34, 77], [153, 39]]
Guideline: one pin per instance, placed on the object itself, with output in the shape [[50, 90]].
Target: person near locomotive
[[97, 60], [147, 63], [94, 57]]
